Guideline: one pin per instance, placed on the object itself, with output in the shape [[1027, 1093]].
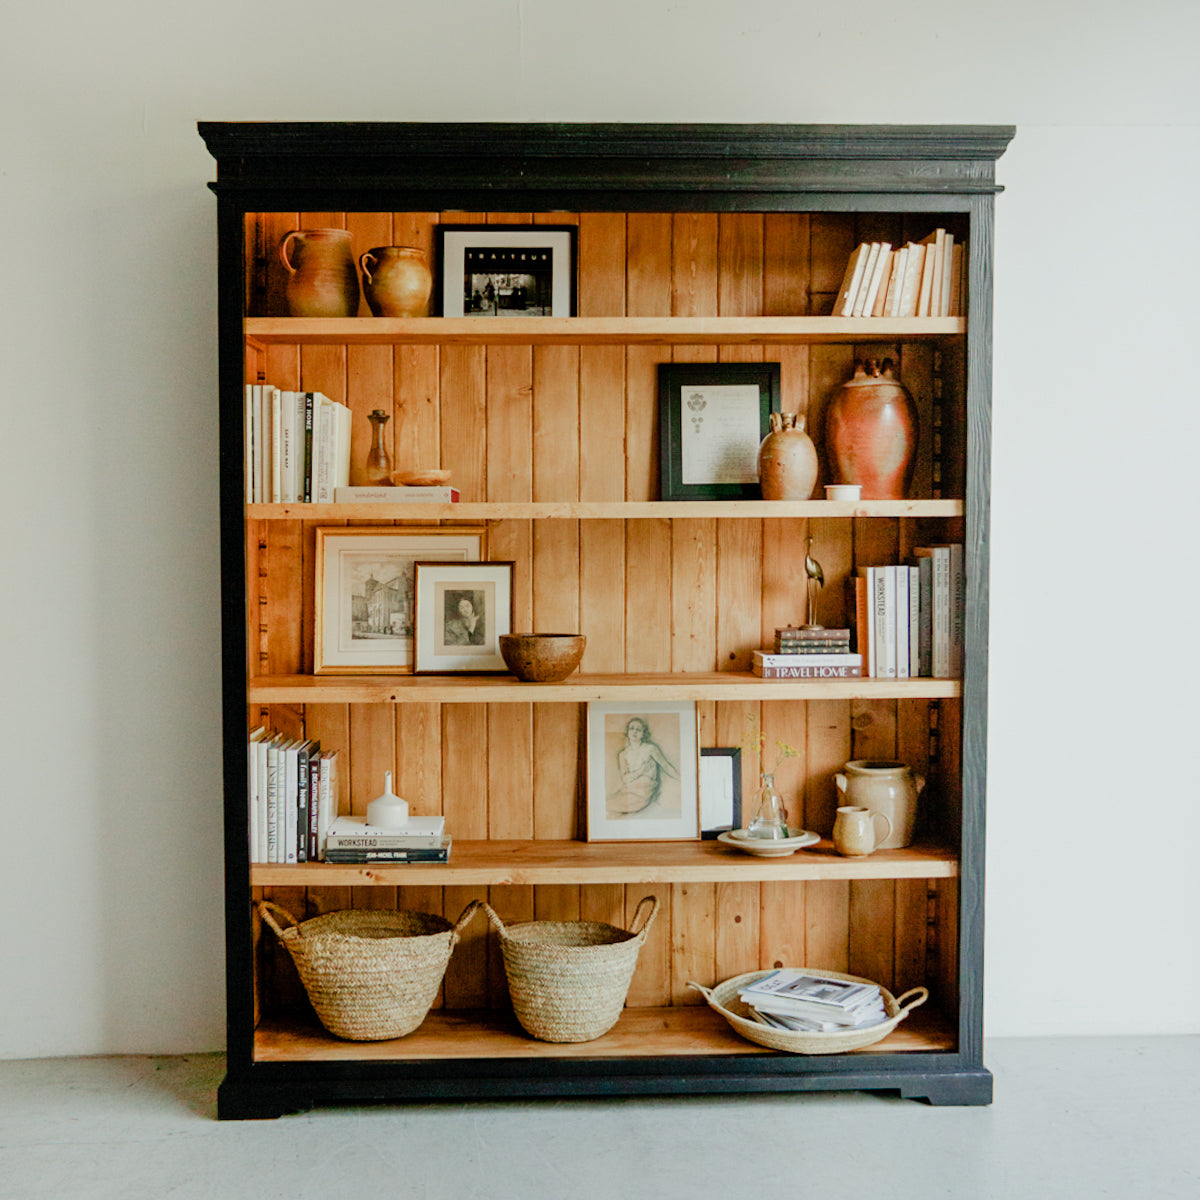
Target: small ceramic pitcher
[[854, 831]]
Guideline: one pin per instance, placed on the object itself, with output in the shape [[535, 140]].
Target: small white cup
[[843, 491]]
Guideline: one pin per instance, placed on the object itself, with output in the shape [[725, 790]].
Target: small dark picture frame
[[505, 270], [711, 419], [720, 790]]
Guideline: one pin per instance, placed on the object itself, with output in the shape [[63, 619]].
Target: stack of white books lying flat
[[419, 839], [793, 999]]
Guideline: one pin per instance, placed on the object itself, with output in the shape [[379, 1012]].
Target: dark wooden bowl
[[542, 657]]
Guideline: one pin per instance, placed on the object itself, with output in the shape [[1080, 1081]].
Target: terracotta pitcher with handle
[[322, 278]]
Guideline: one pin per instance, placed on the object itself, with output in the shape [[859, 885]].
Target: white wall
[[111, 884]]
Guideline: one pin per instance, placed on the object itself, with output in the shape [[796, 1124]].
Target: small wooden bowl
[[426, 478], [542, 657]]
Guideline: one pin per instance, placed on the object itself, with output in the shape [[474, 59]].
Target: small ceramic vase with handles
[[854, 831], [787, 459], [884, 787], [396, 281]]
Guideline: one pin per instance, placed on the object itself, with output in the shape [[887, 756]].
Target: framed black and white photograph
[[720, 790], [642, 771], [506, 270], [711, 419], [365, 592], [461, 612]]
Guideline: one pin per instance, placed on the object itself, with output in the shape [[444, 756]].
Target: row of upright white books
[[297, 446], [793, 999], [293, 788], [920, 279], [909, 617]]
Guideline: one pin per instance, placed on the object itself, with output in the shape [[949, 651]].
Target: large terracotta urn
[[322, 278], [871, 432], [787, 459], [396, 281]]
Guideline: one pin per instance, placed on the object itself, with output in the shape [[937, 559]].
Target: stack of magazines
[[791, 999]]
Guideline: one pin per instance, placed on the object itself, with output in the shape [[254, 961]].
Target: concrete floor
[[1073, 1119]]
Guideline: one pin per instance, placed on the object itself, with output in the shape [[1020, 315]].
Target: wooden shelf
[[603, 511], [687, 1030], [492, 863], [507, 689], [591, 331]]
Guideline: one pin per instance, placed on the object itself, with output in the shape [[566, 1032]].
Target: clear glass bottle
[[770, 819]]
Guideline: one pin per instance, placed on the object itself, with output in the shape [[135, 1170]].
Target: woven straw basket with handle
[[724, 999], [370, 974], [568, 979]]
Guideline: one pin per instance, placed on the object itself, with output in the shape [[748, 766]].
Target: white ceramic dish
[[768, 847]]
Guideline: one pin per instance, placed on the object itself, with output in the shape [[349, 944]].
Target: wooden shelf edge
[[582, 331], [583, 510], [513, 862], [507, 689], [685, 1030]]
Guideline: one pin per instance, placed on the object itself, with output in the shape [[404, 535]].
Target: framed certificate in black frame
[[711, 419]]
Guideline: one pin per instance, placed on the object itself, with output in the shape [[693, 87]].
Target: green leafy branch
[[754, 741]]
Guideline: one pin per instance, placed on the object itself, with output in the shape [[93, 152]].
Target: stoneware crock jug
[[871, 432], [322, 279], [886, 787], [396, 281], [787, 459]]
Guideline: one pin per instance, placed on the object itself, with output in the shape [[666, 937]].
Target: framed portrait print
[[365, 597], [642, 771], [462, 609], [506, 270], [711, 419], [720, 790]]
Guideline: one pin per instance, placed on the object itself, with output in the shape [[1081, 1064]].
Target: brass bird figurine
[[816, 579]]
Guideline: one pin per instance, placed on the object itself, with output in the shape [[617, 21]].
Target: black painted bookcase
[[694, 243]]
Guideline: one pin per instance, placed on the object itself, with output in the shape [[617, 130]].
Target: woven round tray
[[568, 979], [724, 999], [370, 974]]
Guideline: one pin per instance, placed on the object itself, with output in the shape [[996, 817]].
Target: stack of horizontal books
[[793, 999], [808, 653], [419, 839]]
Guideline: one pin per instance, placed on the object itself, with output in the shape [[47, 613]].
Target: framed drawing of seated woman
[[642, 771]]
